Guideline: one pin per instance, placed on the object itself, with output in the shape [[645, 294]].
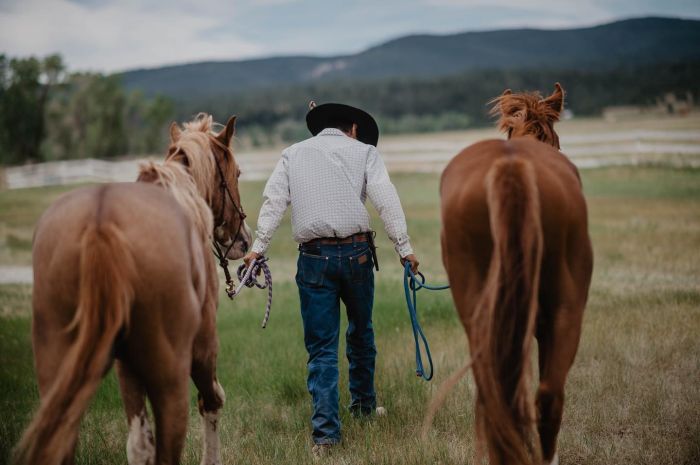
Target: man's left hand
[[412, 260]]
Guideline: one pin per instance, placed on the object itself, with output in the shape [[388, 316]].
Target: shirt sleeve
[[276, 199], [382, 193]]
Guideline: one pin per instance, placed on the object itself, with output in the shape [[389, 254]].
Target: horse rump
[[504, 320], [104, 300]]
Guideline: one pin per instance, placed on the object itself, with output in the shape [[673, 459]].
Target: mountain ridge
[[635, 41]]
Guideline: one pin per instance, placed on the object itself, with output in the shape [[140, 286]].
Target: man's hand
[[412, 260], [250, 256]]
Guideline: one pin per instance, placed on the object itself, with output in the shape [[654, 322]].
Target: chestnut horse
[[518, 256], [125, 272]]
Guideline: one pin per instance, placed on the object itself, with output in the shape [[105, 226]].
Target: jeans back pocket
[[312, 269], [361, 266]]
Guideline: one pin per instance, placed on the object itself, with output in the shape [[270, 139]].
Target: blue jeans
[[327, 274]]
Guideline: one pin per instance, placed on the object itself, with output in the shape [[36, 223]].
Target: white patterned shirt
[[327, 179]]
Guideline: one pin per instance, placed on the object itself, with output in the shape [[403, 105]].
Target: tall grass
[[632, 395]]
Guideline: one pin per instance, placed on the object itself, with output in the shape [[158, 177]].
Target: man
[[327, 178]]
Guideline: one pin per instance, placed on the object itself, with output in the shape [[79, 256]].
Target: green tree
[[52, 70], [20, 112], [105, 130], [26, 84], [92, 116], [46, 114], [159, 113], [4, 78], [87, 118]]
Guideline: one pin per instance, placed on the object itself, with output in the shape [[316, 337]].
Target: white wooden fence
[[425, 153]]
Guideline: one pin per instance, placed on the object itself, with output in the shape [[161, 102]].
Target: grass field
[[633, 396]]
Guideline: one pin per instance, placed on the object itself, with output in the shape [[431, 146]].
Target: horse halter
[[226, 192]]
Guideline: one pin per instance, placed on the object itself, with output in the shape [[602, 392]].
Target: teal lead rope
[[411, 285]]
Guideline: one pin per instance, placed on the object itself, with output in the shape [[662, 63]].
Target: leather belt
[[359, 237]]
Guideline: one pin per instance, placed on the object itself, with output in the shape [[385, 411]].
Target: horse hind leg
[[211, 398], [164, 369], [558, 339], [170, 401], [140, 444], [47, 368]]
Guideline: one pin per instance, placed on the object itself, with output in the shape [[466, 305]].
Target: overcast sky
[[110, 35]]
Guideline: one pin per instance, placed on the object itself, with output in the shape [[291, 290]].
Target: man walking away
[[327, 179]]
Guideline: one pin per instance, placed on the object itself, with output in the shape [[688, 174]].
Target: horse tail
[[504, 322], [104, 299]]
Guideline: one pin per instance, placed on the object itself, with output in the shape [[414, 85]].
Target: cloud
[[111, 36], [532, 13]]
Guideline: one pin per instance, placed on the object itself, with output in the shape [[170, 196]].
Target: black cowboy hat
[[322, 116]]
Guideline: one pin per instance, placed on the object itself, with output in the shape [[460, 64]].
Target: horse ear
[[556, 100], [500, 104], [508, 111], [174, 132], [227, 133]]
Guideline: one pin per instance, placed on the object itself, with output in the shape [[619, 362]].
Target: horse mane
[[194, 141], [529, 114], [189, 178], [175, 179]]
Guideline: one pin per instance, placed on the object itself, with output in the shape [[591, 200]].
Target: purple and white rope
[[247, 278]]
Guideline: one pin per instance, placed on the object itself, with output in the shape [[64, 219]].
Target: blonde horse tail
[[504, 321], [104, 301]]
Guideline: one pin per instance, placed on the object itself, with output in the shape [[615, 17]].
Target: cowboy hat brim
[[322, 116]]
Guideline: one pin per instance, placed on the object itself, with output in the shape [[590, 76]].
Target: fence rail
[[411, 154]]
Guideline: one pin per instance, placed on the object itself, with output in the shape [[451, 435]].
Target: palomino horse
[[124, 272], [516, 249]]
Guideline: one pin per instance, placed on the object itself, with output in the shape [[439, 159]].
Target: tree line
[[47, 113], [455, 102]]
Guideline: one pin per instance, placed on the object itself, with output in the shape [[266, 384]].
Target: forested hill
[[633, 42], [417, 83]]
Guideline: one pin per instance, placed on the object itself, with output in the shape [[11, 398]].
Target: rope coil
[[248, 278], [412, 285]]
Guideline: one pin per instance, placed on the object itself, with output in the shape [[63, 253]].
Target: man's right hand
[[250, 256], [412, 260]]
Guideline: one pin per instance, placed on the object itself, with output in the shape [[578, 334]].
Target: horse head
[[210, 161], [528, 114]]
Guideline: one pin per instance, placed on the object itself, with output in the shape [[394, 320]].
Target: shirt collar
[[331, 132]]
